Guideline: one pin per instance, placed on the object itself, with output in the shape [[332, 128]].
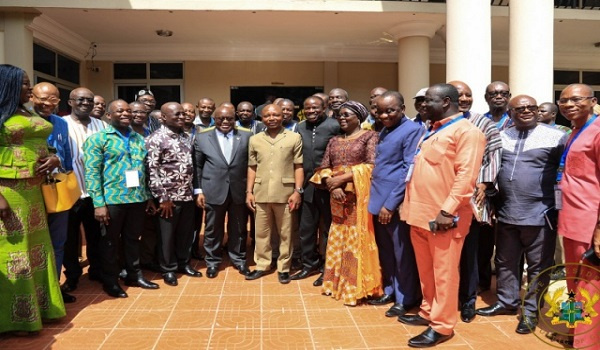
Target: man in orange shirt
[[436, 206]]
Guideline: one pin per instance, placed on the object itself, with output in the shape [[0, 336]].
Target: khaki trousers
[[278, 217]]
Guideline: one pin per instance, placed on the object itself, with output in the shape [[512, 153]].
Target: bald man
[[336, 98], [206, 107], [81, 126], [547, 113], [45, 101], [481, 224], [525, 211], [171, 173], [273, 190]]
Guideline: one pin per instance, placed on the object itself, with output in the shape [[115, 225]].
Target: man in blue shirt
[[45, 100]]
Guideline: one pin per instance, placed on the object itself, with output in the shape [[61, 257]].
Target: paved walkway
[[230, 313]]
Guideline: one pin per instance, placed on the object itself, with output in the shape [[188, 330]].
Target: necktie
[[227, 148]]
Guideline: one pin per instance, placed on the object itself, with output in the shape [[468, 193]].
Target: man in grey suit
[[221, 167]]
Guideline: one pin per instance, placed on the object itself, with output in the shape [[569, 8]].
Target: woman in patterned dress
[[29, 288], [352, 269]]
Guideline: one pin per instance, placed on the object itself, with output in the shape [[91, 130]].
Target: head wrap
[[357, 108]]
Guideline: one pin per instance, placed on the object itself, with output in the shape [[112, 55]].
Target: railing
[[568, 4]]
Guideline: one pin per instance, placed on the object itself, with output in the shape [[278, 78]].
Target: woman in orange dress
[[352, 270]]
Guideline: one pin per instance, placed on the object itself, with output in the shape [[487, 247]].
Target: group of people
[[410, 209]]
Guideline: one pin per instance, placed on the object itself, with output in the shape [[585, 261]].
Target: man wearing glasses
[[81, 126], [497, 95], [525, 211], [579, 189], [45, 100], [147, 98]]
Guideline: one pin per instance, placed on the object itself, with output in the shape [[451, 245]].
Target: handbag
[[60, 191]]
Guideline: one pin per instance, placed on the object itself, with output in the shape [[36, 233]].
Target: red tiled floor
[[230, 313]]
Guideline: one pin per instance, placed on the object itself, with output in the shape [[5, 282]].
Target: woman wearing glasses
[[352, 269], [29, 287]]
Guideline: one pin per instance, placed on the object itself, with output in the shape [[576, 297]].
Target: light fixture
[[165, 33]]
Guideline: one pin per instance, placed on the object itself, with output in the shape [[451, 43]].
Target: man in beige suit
[[273, 191]]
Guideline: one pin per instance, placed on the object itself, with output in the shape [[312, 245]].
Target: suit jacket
[[315, 137], [393, 156], [274, 160], [213, 175]]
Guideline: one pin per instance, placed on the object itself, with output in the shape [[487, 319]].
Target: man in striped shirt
[[81, 126], [114, 160], [481, 223]]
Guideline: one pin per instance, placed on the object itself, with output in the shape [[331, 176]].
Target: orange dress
[[352, 270]]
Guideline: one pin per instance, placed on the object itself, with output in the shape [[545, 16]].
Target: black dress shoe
[[305, 273], [527, 325], [170, 278], [383, 300], [284, 277], [429, 338], [188, 270], [413, 320], [319, 281], [467, 312], [68, 298], [396, 310], [69, 286], [495, 310], [242, 269], [114, 291], [256, 274], [212, 272], [141, 282]]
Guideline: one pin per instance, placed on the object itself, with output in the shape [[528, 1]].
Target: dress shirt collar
[[168, 132], [441, 123], [221, 134]]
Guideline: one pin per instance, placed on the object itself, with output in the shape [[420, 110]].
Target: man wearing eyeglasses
[[497, 95], [81, 126], [147, 98], [45, 100], [525, 211], [579, 187]]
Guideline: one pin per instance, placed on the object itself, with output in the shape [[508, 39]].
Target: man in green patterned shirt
[[114, 161]]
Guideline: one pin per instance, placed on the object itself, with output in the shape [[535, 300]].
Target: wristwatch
[[300, 190]]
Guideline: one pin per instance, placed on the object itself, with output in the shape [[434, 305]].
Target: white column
[[469, 46], [18, 41], [413, 58], [531, 49]]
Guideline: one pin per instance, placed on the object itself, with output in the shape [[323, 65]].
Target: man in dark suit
[[316, 131], [393, 157], [221, 168]]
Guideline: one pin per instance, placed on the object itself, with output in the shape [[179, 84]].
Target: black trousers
[[487, 239], [198, 214], [215, 230], [176, 237], [82, 213], [148, 246], [309, 225], [469, 267], [125, 227]]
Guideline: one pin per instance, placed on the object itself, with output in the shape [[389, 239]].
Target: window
[[55, 68], [165, 80]]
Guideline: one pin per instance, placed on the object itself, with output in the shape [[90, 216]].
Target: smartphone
[[433, 227]]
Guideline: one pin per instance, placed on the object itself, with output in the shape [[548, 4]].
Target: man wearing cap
[[419, 98]]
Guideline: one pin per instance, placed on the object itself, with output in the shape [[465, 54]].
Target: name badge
[[410, 172], [132, 178], [557, 197]]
